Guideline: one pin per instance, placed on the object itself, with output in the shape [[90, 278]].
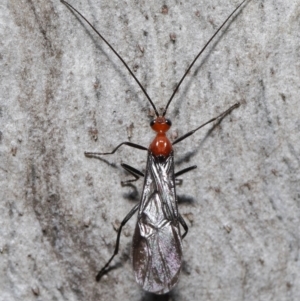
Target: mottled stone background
[[64, 92]]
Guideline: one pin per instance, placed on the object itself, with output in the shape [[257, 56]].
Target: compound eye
[[152, 122], [168, 122]]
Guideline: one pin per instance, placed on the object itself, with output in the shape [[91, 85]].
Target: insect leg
[[136, 173], [125, 220], [221, 116], [181, 172], [184, 225], [91, 154]]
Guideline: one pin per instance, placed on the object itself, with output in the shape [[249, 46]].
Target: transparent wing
[[157, 249]]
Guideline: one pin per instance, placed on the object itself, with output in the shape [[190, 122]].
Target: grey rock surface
[[64, 92]]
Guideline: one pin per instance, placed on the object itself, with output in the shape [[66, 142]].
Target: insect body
[[157, 240], [157, 249]]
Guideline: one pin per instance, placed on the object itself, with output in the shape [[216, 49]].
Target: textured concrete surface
[[64, 92]]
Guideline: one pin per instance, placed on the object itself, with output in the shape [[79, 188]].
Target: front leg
[[92, 154], [221, 116]]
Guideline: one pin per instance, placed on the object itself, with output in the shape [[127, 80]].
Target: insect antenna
[[114, 51], [197, 56]]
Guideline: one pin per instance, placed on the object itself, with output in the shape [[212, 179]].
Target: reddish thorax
[[161, 145]]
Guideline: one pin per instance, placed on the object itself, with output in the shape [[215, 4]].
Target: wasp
[[157, 240]]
